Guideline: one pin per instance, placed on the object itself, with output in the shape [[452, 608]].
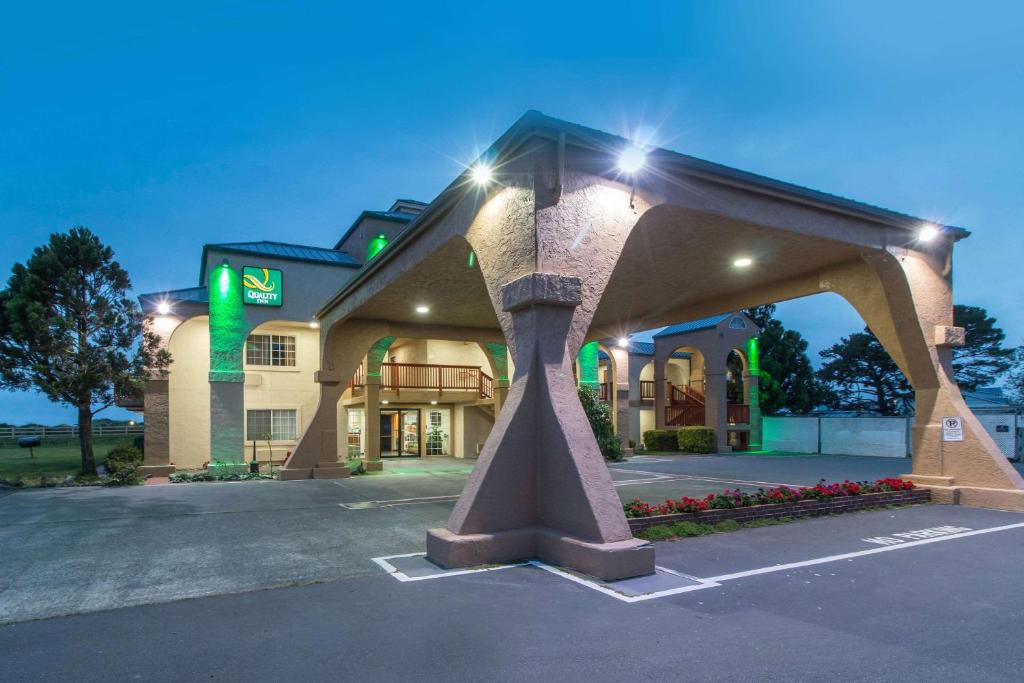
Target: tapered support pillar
[[715, 410], [372, 461], [541, 487]]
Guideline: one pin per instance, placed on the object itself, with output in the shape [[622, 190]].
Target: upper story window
[[275, 350]]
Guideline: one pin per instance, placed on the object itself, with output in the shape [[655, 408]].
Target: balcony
[[424, 377]]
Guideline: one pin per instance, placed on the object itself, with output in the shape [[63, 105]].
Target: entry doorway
[[400, 433]]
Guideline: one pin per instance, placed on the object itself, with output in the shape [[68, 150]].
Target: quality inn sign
[[261, 286]]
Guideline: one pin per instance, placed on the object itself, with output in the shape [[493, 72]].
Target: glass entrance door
[[400, 433]]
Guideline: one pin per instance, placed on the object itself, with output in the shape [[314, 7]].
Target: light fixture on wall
[[421, 309], [632, 159], [313, 324], [163, 308], [623, 342], [743, 262], [928, 232], [384, 403], [433, 403]]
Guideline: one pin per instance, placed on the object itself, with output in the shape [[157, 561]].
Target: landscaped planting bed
[[775, 503]]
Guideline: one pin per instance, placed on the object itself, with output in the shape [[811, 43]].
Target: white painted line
[[604, 588], [374, 504], [861, 553], [401, 576]]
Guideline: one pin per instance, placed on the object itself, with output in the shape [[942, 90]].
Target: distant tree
[[761, 315], [68, 329], [982, 359], [787, 382], [1014, 385], [864, 377]]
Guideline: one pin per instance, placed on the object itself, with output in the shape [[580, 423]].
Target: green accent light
[[499, 355], [375, 356], [588, 361], [472, 259], [376, 246], [753, 369], [227, 326]]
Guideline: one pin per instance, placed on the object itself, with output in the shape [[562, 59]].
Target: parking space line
[[702, 583], [405, 578]]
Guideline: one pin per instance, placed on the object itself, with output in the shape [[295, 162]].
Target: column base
[[294, 473], [605, 561], [973, 496], [331, 471], [157, 470]]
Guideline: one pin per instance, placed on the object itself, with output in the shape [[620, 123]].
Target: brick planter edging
[[807, 508]]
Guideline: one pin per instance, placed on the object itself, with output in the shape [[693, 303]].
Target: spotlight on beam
[[928, 232], [632, 159], [481, 174]]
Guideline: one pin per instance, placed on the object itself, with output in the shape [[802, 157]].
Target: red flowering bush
[[729, 499]]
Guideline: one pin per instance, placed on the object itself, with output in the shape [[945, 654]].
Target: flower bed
[[783, 501]]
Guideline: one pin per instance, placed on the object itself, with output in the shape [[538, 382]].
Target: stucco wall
[[872, 436], [877, 436], [285, 387], [188, 393]]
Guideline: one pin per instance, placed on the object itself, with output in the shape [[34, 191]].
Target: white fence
[[887, 437], [68, 431]]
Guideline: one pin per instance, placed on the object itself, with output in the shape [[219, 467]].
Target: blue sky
[[163, 127]]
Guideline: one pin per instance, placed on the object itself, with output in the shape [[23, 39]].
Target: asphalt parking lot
[[277, 580]]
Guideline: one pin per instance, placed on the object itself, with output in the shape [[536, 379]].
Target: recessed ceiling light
[[385, 402], [742, 262], [422, 309], [433, 403]]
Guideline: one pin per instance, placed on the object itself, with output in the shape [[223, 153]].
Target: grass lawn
[[56, 459]]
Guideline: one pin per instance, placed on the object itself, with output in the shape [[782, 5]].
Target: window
[[276, 350], [280, 424]]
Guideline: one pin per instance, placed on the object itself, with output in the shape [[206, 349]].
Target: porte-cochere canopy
[[560, 248]]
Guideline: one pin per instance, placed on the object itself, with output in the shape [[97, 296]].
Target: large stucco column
[[541, 487], [716, 378], [905, 296], [371, 395], [660, 392], [636, 366], [751, 384], [228, 331], [620, 396], [500, 395], [156, 459]]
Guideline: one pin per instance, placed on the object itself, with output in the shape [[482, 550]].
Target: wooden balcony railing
[[646, 390], [686, 415], [682, 393], [398, 376], [737, 413]]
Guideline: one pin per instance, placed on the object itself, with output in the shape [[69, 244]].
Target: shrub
[[660, 440], [191, 477], [600, 416], [696, 440], [123, 465], [140, 443]]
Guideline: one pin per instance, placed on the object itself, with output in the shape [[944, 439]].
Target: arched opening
[[188, 394], [685, 383]]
